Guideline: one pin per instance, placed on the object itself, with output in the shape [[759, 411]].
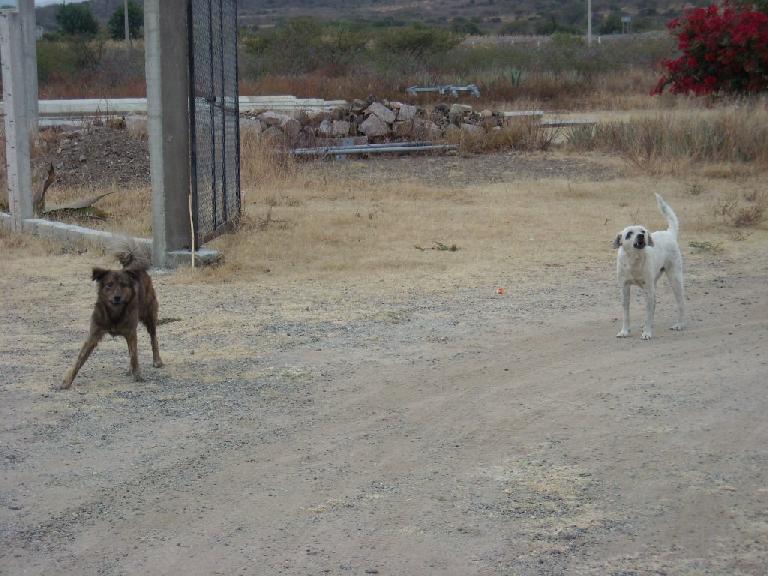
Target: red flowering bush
[[722, 51]]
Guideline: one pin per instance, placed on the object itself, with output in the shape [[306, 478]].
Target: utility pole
[[589, 22], [127, 24]]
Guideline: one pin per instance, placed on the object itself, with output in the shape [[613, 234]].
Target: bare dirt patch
[[94, 157], [339, 398], [476, 170], [328, 428]]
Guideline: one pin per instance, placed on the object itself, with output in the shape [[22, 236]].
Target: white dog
[[641, 260]]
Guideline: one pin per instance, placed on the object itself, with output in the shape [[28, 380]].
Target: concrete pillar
[[167, 71], [29, 30], [16, 128]]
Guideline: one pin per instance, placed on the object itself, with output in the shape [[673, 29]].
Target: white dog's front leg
[[650, 308], [624, 332]]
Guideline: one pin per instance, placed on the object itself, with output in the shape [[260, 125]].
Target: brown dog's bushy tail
[[132, 254]]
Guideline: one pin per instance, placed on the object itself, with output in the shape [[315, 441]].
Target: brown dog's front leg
[[133, 350], [85, 352]]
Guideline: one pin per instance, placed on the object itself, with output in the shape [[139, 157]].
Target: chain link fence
[[214, 117]]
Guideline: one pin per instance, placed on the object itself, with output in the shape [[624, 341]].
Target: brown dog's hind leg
[[133, 350], [85, 352], [151, 325]]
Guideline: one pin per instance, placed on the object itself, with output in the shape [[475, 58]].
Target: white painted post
[[29, 29], [16, 128]]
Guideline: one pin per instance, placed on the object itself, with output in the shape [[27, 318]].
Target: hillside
[[511, 16]]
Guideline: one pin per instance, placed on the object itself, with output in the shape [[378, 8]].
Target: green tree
[[461, 25], [116, 23], [76, 20], [418, 40], [611, 24]]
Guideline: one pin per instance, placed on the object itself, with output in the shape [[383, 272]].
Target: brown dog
[[125, 298]]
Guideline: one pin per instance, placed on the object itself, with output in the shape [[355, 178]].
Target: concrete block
[[45, 229], [325, 129], [203, 257], [374, 126], [407, 113], [341, 128], [291, 129], [273, 118], [29, 226], [382, 112]]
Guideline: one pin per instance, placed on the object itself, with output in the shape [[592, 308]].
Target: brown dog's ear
[[98, 274], [617, 241]]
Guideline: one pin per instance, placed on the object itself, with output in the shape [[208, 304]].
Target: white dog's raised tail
[[669, 214]]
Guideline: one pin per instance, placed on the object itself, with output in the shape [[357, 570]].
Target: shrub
[[418, 41], [722, 51], [611, 24], [304, 45], [463, 26], [76, 20]]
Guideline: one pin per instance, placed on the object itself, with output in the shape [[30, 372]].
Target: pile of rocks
[[369, 121]]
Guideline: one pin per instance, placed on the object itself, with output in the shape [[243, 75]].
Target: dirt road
[[463, 433]]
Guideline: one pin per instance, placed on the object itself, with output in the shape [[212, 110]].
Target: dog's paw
[[158, 364], [65, 385], [647, 335], [623, 333]]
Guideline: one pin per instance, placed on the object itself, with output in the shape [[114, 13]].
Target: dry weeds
[[305, 222], [672, 142]]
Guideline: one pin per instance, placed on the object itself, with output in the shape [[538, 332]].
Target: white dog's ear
[[650, 238], [617, 241]]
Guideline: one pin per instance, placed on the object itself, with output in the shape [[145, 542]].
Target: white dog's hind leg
[[676, 280], [624, 332], [650, 308]]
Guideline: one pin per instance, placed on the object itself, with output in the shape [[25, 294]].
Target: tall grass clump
[[728, 135], [522, 134], [262, 165]]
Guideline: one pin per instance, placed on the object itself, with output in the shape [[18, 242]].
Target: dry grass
[[305, 222], [126, 211], [671, 142], [522, 134], [742, 210]]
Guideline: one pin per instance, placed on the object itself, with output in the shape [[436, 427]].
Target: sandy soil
[[300, 429]]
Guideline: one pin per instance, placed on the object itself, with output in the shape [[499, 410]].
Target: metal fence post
[[16, 128], [165, 40]]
